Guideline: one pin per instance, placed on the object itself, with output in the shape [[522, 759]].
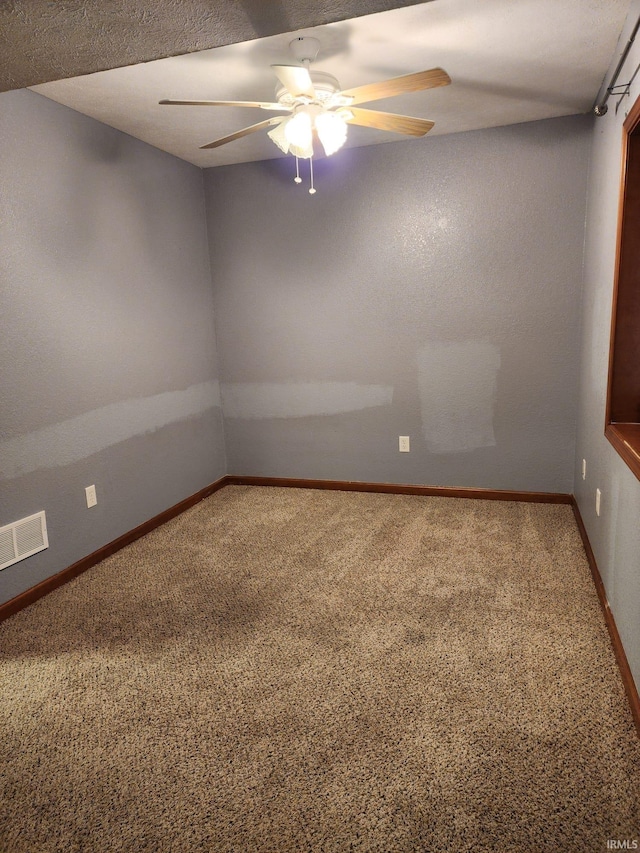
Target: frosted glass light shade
[[278, 136], [302, 153], [332, 132], [298, 130]]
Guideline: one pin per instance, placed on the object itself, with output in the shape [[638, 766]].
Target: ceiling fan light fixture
[[332, 131]]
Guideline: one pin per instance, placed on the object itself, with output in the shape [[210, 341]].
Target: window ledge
[[626, 440]]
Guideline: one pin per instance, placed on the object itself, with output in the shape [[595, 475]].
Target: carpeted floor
[[289, 670]]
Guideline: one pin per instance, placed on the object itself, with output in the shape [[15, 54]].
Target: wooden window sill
[[626, 440]]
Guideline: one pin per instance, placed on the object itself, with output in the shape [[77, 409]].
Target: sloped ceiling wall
[[43, 41]]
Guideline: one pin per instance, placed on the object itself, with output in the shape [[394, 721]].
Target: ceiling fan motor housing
[[325, 85]]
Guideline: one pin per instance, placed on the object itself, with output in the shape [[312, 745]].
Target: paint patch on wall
[[458, 383], [75, 439], [260, 400]]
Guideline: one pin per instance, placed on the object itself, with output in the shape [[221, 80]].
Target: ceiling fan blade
[[244, 132], [389, 121], [398, 86], [263, 105], [296, 80]]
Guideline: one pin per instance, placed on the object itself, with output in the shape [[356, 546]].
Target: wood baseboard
[[399, 489], [618, 649], [49, 584]]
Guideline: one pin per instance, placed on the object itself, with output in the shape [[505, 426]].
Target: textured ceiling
[[42, 41], [511, 61]]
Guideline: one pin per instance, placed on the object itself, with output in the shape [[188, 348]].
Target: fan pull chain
[[312, 189], [297, 178]]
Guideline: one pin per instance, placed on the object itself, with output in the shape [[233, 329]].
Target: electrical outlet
[[598, 496], [584, 469], [92, 498], [403, 444]]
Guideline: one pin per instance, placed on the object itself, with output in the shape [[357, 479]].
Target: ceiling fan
[[316, 108]]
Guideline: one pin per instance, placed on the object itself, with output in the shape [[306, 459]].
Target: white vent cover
[[22, 539]]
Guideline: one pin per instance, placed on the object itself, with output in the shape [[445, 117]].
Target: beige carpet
[[291, 670]]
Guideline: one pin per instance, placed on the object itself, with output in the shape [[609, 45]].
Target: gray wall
[[107, 349], [430, 288], [615, 534]]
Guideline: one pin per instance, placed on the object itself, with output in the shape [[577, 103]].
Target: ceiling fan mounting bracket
[[304, 49]]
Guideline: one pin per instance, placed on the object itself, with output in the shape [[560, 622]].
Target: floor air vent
[[22, 539]]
